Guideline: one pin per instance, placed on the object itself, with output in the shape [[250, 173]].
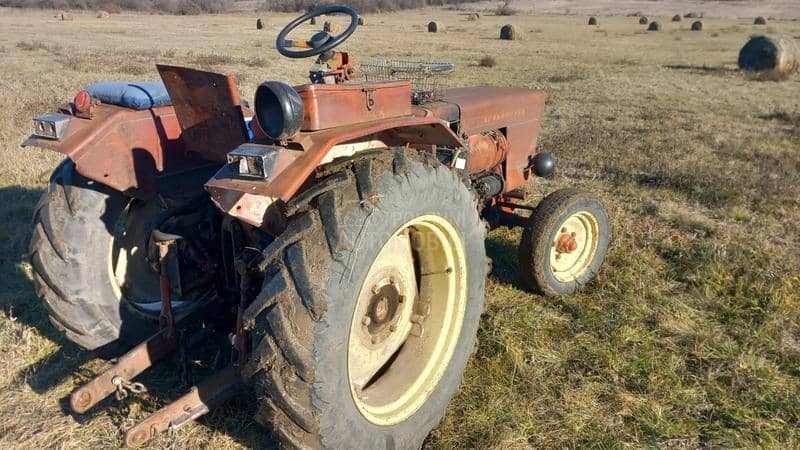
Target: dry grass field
[[690, 336]]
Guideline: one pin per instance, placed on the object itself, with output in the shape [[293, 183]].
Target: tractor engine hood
[[488, 108]]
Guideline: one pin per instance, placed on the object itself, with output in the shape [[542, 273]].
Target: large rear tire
[[325, 376], [70, 249]]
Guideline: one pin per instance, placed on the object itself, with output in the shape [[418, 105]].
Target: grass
[[690, 335]]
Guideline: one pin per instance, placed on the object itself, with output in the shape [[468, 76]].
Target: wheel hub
[[383, 310], [574, 247]]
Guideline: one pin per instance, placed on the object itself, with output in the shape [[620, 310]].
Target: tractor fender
[[124, 149], [250, 200]]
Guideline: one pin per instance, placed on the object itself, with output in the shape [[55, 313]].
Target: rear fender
[[251, 200], [125, 149]]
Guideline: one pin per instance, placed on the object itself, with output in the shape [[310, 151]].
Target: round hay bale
[[434, 27], [697, 26], [330, 27], [313, 21], [592, 20], [259, 24], [508, 33], [477, 15], [677, 18], [643, 20], [361, 20], [102, 14], [473, 17], [654, 26], [760, 20], [770, 58]]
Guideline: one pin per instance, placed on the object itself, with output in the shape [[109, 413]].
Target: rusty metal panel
[[122, 148], [334, 105], [521, 148], [487, 108], [208, 108], [248, 200]]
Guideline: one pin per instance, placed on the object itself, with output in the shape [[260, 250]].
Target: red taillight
[[82, 101]]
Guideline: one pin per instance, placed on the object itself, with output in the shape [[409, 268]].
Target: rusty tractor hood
[[486, 108]]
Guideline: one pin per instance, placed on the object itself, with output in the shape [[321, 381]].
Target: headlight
[[279, 110], [51, 125], [253, 160]]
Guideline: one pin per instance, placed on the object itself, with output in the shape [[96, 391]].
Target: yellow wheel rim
[[407, 320], [574, 246]]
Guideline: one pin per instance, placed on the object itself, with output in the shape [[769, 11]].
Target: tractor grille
[[428, 79]]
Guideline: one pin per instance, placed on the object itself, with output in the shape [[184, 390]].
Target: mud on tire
[[69, 251], [300, 322]]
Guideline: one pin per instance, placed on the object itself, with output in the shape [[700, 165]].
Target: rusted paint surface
[[208, 108], [518, 111], [335, 105], [122, 148], [488, 108], [248, 200], [198, 401], [131, 364], [486, 151]]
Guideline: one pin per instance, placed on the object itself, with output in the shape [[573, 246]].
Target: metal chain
[[125, 387]]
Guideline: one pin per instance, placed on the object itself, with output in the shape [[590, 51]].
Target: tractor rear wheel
[[72, 255], [370, 307]]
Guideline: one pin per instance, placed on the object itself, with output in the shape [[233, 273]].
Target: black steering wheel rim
[[316, 12]]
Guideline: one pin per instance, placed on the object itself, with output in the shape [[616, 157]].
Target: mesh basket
[[428, 79]]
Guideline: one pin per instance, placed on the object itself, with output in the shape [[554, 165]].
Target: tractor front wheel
[[564, 243], [370, 308]]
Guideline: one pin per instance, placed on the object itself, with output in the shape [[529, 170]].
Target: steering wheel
[[319, 43]]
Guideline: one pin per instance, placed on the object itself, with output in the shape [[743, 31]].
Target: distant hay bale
[[654, 26], [592, 20], [770, 58], [361, 20], [697, 25], [330, 27], [509, 33], [760, 20], [313, 21], [102, 14], [637, 14], [473, 17], [477, 15], [676, 18], [61, 15], [435, 27], [643, 20], [487, 61], [259, 24]]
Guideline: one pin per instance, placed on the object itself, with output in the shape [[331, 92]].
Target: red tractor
[[330, 240]]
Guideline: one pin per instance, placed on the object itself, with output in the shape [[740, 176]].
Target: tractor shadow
[[20, 304], [501, 247]]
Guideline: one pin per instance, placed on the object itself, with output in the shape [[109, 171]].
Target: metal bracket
[[370, 100], [198, 401], [131, 364]]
